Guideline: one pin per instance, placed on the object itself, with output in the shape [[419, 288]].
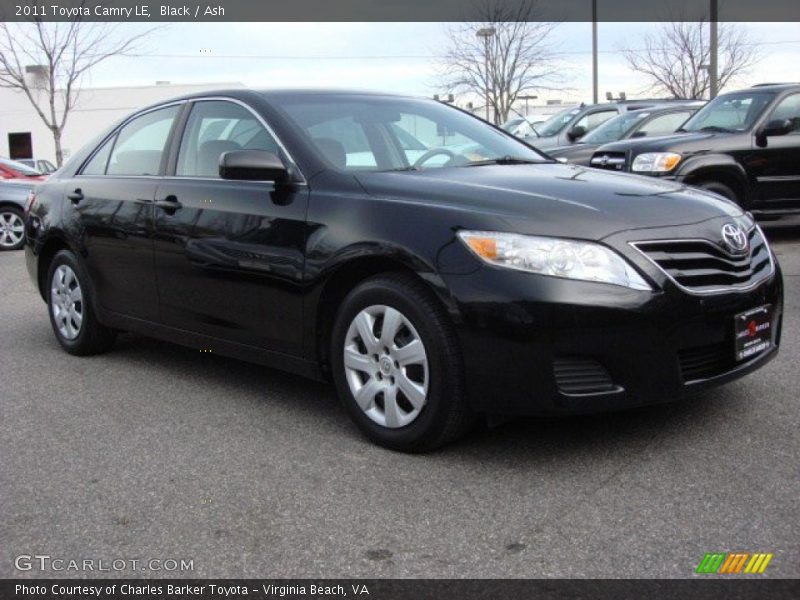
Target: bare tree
[[46, 62], [675, 59], [517, 59]]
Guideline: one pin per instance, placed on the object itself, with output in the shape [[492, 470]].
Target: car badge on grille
[[604, 160], [735, 238]]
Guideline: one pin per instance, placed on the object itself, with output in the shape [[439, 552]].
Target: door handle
[[75, 196], [169, 204]]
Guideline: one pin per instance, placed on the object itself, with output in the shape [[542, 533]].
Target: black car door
[[229, 254], [109, 205], [776, 161]]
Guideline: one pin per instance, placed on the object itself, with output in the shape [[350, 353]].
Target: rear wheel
[[397, 366], [12, 228], [70, 305]]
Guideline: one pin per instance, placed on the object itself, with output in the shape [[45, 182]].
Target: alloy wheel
[[66, 301], [386, 366], [11, 229]]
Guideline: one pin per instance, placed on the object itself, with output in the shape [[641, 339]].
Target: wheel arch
[[345, 276], [719, 168], [54, 243]]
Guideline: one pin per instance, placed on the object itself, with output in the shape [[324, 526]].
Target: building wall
[[96, 110]]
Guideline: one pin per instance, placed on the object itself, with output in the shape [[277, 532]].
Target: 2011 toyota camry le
[[430, 264]]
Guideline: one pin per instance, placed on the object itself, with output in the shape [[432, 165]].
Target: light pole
[[594, 51], [486, 33], [526, 98], [712, 62]]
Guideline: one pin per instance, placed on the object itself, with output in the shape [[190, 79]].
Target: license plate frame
[[752, 332]]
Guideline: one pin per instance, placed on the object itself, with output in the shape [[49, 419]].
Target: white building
[[24, 135]]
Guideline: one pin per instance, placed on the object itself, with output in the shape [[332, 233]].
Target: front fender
[[701, 165]]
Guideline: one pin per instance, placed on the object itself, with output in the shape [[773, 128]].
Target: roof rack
[[776, 83]]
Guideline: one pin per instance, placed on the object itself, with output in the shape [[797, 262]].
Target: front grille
[[581, 376], [703, 362], [614, 161], [705, 267]]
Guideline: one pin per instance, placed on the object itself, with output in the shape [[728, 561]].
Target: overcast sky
[[397, 57]]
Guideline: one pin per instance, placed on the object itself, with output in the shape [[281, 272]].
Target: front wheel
[[70, 305], [719, 188], [397, 366]]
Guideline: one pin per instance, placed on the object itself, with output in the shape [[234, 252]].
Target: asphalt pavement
[[155, 451]]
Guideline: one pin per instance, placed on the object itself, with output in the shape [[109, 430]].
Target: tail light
[[31, 202]]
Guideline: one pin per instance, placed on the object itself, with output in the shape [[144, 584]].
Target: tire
[[79, 336], [426, 381], [12, 228], [719, 188]]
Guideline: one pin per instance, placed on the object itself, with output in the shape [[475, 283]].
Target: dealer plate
[[753, 332]]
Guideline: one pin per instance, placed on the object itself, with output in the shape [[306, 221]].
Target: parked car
[[523, 127], [11, 169], [42, 165], [645, 122], [291, 229], [571, 124], [743, 145], [14, 196]]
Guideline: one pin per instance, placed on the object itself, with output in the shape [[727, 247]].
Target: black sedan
[[636, 124], [430, 264]]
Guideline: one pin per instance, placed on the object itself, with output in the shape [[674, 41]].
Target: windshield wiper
[[716, 128], [505, 160]]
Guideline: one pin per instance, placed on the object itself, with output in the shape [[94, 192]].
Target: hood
[[551, 199], [679, 142], [571, 150]]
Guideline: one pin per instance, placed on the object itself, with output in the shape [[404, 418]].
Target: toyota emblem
[[735, 238]]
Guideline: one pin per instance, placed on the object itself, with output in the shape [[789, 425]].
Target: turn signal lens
[[484, 247]]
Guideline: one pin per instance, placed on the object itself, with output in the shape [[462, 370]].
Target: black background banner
[[731, 588], [391, 10]]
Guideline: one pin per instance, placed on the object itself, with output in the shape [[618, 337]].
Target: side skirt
[[268, 358]]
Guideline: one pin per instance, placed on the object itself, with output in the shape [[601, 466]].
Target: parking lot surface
[[155, 451]]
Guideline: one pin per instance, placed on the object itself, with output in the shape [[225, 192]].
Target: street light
[[486, 33], [526, 98]]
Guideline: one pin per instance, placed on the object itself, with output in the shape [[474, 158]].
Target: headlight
[[655, 162], [556, 257]]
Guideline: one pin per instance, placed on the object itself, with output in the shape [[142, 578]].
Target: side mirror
[[639, 134], [252, 165], [777, 127], [576, 133]]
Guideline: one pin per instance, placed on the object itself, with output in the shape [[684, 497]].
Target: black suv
[[744, 145]]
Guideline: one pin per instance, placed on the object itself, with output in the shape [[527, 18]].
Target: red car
[[11, 169]]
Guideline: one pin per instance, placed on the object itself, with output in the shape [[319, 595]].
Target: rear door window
[[140, 144]]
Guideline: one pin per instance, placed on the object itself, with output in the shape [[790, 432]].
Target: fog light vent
[[581, 376]]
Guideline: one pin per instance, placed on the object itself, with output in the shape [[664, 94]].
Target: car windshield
[[364, 133], [729, 113], [18, 166], [614, 129], [557, 122]]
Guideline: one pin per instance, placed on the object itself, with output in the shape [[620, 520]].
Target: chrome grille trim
[[750, 267]]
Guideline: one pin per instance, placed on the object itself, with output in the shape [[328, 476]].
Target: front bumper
[[518, 331]]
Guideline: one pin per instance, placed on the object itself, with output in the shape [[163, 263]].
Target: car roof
[[765, 87]]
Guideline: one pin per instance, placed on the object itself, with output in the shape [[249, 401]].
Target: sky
[[393, 57]]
